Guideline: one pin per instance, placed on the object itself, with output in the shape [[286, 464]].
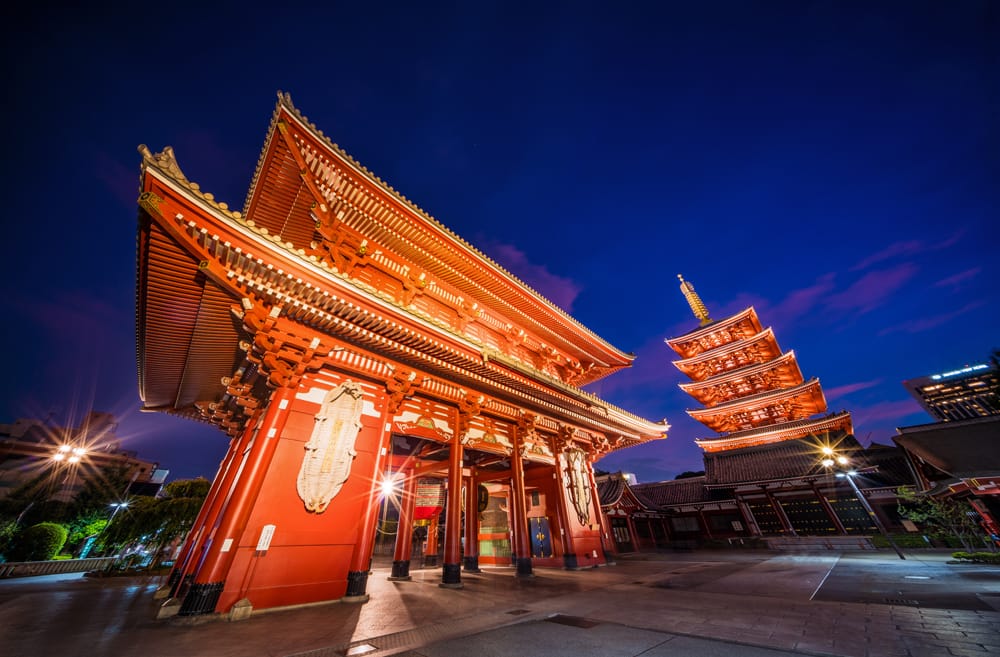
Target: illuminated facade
[[343, 339], [963, 394], [763, 475]]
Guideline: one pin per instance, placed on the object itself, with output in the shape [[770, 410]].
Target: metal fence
[[30, 568]]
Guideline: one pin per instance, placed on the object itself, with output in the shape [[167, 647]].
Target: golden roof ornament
[[697, 305]]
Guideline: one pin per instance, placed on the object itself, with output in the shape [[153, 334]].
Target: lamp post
[[831, 460]]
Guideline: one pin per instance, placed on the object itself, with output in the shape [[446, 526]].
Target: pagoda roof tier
[[781, 372], [758, 348], [303, 178], [766, 408], [778, 433], [740, 326]]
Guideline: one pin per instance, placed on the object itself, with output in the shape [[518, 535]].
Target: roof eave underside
[[554, 323]]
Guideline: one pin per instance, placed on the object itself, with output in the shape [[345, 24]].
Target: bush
[[39, 542], [978, 557]]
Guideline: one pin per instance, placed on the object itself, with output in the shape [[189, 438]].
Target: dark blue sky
[[834, 164]]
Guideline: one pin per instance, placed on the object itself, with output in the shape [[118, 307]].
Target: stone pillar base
[[357, 586], [201, 599], [523, 567], [471, 564], [400, 571], [430, 560], [242, 610], [571, 562], [169, 608], [451, 576]]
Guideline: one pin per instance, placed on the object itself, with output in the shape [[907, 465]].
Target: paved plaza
[[684, 604]]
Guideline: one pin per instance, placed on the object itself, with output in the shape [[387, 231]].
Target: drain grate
[[361, 649], [902, 601], [572, 621], [518, 612]]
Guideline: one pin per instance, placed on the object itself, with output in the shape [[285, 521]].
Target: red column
[[209, 511], [211, 573], [357, 576], [451, 573], [602, 522], [404, 531], [519, 513], [570, 559], [431, 551], [471, 557], [786, 524]]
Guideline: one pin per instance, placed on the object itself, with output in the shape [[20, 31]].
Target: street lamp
[[833, 459]]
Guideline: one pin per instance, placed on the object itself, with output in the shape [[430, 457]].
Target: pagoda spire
[[697, 305]]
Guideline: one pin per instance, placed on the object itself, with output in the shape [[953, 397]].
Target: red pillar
[[219, 553], [209, 512], [471, 557], [570, 558], [357, 576], [786, 524], [404, 530], [451, 573], [431, 551], [607, 544], [519, 513]]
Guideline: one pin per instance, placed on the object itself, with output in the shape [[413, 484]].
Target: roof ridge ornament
[[697, 305]]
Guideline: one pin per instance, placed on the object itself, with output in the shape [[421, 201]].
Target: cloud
[[872, 290], [955, 280], [908, 249], [800, 302], [883, 411], [927, 323], [559, 290], [844, 390], [121, 181]]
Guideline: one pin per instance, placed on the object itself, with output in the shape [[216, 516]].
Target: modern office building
[[965, 393]]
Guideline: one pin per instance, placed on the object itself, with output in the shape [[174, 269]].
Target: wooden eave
[[710, 391], [779, 432], [802, 401], [221, 247], [763, 342], [379, 212], [744, 324]]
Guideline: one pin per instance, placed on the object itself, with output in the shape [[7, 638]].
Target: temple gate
[[354, 349]]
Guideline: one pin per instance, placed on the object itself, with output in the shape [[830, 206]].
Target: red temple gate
[[340, 336]]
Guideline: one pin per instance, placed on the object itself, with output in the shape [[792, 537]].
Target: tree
[[38, 543], [942, 516], [156, 522], [689, 474]]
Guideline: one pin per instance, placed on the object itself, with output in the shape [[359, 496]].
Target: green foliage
[[156, 522], [907, 540], [941, 517], [978, 557], [39, 542]]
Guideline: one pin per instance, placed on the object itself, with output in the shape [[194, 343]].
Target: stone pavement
[[690, 604]]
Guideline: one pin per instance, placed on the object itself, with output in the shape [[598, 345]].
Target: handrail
[[34, 568]]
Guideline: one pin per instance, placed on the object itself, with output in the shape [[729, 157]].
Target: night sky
[[833, 164]]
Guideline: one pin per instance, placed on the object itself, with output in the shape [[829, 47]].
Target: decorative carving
[[467, 311], [468, 408], [563, 439], [401, 385], [414, 281], [578, 483], [330, 452]]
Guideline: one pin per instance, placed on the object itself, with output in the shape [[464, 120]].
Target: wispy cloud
[[927, 323], [885, 411], [872, 290], [560, 290], [905, 249], [956, 280], [841, 391], [802, 301]]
